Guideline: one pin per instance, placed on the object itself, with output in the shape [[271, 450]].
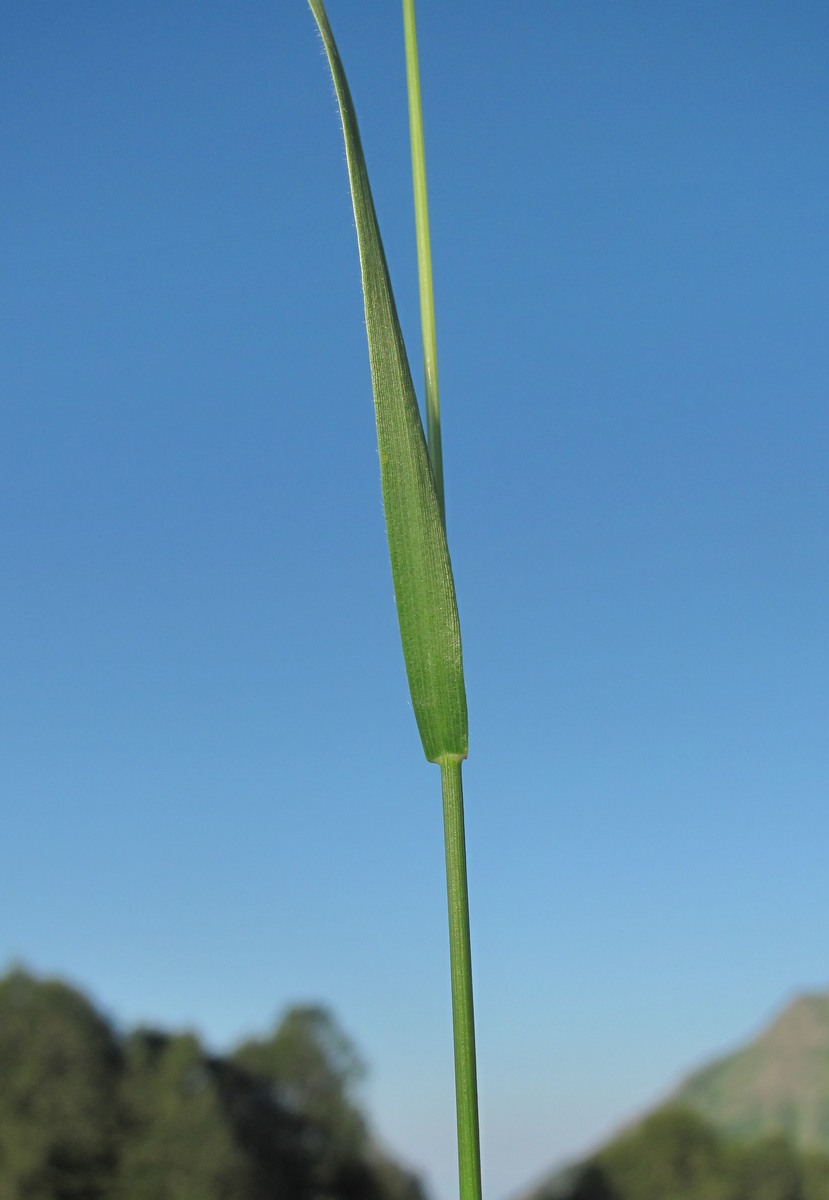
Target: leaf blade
[[421, 569]]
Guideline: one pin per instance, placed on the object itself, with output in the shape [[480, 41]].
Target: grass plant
[[411, 475]]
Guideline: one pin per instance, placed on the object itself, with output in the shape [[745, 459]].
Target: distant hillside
[[753, 1125], [89, 1114], [676, 1155], [777, 1083]]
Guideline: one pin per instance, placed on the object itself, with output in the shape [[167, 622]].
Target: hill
[[752, 1125], [87, 1113], [675, 1155], [777, 1083]]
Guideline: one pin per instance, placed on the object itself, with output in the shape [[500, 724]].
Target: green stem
[[463, 1019], [424, 255]]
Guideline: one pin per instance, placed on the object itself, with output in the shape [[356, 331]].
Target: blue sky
[[214, 797]]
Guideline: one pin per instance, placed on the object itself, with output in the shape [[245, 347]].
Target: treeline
[[87, 1114], [675, 1155]]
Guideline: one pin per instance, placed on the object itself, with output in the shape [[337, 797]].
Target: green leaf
[[423, 585]]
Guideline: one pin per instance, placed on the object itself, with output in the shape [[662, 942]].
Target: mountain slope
[[676, 1155], [777, 1083], [752, 1125]]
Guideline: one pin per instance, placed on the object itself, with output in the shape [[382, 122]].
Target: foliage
[[176, 1143], [88, 1115], [313, 1069], [59, 1073], [673, 1154]]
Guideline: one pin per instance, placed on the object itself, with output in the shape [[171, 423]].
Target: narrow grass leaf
[[423, 585]]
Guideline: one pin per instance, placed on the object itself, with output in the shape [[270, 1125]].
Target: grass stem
[[463, 1019], [411, 473]]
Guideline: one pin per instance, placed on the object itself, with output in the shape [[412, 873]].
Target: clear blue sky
[[213, 792]]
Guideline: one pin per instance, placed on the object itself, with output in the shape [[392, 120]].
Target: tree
[[673, 1155], [85, 1115], [59, 1065], [770, 1170], [177, 1143], [816, 1176], [314, 1070]]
